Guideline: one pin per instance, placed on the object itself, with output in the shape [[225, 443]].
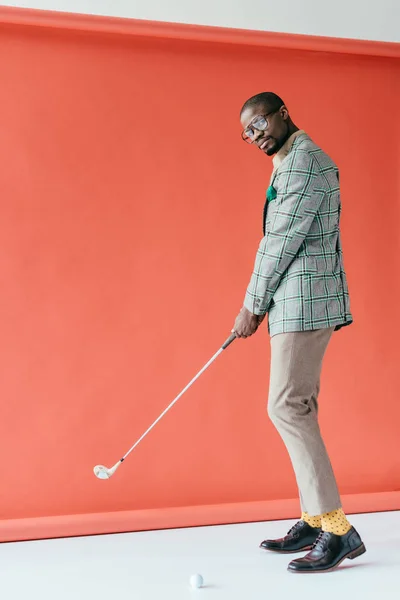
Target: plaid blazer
[[299, 277]]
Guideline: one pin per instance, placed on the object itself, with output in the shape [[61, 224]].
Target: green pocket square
[[271, 193]]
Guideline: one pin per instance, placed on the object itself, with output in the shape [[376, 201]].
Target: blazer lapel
[[269, 197], [273, 177]]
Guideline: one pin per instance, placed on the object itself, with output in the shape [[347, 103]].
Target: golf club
[[103, 472]]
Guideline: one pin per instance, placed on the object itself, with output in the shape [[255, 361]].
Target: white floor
[[158, 565]]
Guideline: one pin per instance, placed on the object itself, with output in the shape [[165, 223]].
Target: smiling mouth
[[264, 144]]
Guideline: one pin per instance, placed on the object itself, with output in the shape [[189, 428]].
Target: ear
[[284, 112]]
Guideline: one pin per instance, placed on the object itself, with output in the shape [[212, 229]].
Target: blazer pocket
[[310, 264]]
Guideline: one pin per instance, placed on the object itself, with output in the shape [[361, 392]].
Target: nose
[[260, 140], [257, 135]]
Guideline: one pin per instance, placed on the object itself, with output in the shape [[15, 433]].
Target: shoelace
[[321, 541], [295, 528]]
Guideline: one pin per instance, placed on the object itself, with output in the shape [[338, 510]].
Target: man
[[299, 280]]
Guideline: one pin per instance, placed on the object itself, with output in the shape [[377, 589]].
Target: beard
[[272, 148]]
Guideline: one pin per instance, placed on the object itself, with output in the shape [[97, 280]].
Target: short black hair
[[267, 99]]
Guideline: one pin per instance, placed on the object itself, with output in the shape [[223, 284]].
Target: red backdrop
[[131, 213]]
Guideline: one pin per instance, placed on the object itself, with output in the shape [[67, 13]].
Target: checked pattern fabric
[[298, 276]]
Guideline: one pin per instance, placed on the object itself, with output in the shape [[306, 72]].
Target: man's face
[[271, 139]]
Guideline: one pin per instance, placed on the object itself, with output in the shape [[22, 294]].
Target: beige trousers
[[296, 363]]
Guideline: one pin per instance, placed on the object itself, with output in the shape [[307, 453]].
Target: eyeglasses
[[259, 123]]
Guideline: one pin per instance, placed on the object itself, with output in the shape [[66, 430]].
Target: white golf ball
[[196, 581]]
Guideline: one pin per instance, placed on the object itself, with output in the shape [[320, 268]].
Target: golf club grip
[[229, 341]]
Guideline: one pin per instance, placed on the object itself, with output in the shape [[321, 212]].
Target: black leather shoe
[[300, 537], [328, 551]]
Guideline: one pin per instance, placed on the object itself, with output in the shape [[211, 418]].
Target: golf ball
[[196, 581]]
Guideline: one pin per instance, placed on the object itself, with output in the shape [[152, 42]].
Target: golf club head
[[102, 472]]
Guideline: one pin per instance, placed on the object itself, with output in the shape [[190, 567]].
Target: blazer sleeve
[[300, 193]]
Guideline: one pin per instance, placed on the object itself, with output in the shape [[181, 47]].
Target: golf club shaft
[[223, 347]]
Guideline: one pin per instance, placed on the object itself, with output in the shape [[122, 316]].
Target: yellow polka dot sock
[[335, 522], [312, 521]]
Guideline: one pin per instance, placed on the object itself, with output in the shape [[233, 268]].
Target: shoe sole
[[351, 555], [279, 551]]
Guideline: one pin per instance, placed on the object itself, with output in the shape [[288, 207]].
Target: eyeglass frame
[[264, 116]]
